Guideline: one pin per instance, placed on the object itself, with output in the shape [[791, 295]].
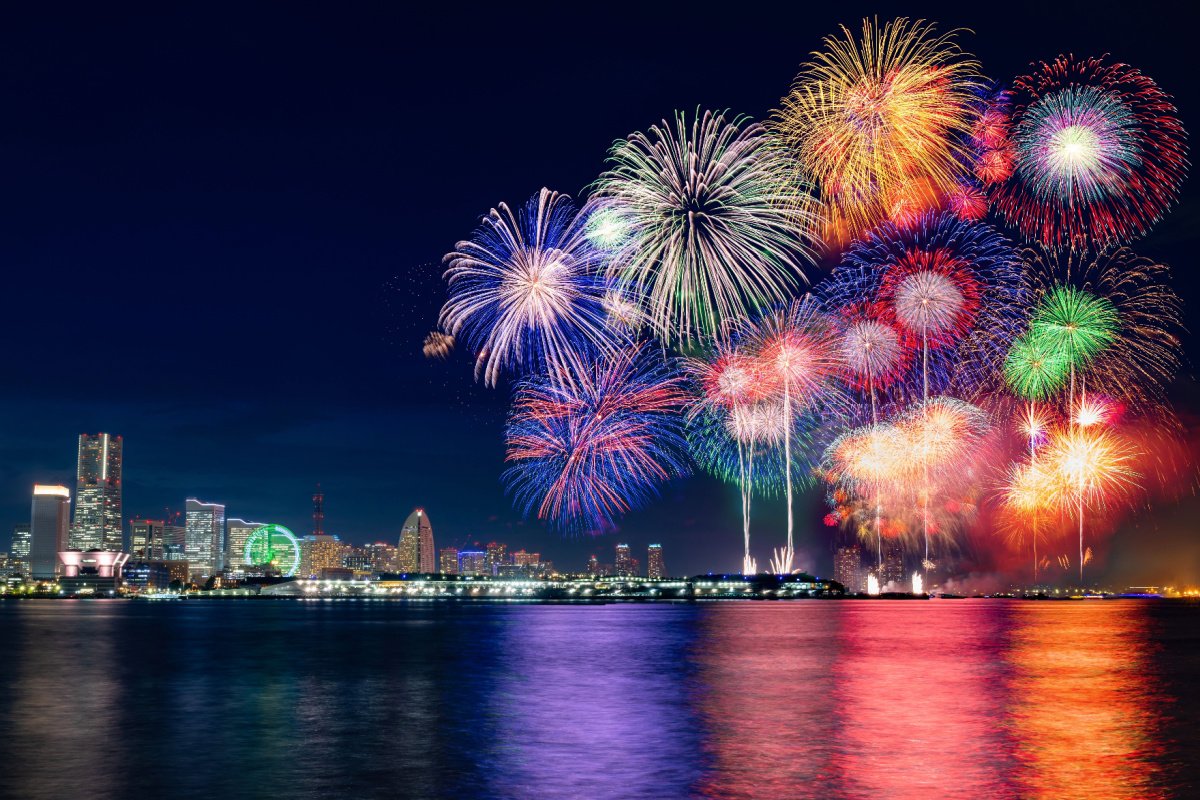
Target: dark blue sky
[[222, 228]]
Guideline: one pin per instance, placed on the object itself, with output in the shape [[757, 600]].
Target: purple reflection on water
[[591, 702]]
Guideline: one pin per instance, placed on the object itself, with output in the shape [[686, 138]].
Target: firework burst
[[523, 291], [1099, 154], [878, 119], [584, 453], [718, 227]]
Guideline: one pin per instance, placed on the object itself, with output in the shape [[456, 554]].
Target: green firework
[[1033, 369], [1075, 324]]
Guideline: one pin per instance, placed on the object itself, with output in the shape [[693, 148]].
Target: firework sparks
[[717, 226]]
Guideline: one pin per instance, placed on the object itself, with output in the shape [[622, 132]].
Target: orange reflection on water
[[1087, 715]]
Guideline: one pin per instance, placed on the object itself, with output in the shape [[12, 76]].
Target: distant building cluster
[[853, 568], [85, 548], [624, 565]]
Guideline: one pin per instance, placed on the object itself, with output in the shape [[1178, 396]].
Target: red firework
[[931, 296], [1099, 154]]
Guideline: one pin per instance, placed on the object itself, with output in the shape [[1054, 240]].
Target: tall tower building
[[49, 522], [893, 568], [19, 552], [318, 512], [654, 562], [204, 537], [237, 531], [97, 523], [848, 568], [624, 563], [416, 553], [146, 539]]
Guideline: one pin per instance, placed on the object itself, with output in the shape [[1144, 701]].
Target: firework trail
[[438, 345], [1099, 154], [800, 356], [715, 224]]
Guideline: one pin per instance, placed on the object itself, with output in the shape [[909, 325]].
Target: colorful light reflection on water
[[839, 699]]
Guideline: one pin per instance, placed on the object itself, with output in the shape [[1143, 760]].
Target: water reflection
[[765, 697], [853, 699], [1087, 710], [591, 704]]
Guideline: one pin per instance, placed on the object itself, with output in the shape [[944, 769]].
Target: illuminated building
[[146, 576], [893, 569], [237, 531], [174, 543], [146, 539], [49, 524], [204, 537], [321, 555], [522, 559], [497, 554], [597, 569], [654, 562], [448, 558], [97, 523], [19, 551], [472, 562], [624, 562], [416, 553], [382, 556], [848, 568], [91, 571], [177, 571]]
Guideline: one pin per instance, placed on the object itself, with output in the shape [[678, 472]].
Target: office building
[[237, 532], [49, 526], [174, 542], [448, 560], [97, 522], [382, 556], [654, 562], [473, 562], [523, 559], [204, 537], [146, 576], [146, 539], [497, 554], [18, 554], [416, 553], [624, 562]]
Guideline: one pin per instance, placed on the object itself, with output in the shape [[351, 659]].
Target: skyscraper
[[146, 539], [49, 521], [416, 544], [19, 552], [654, 562], [205, 537], [848, 568], [893, 569], [237, 531], [97, 523], [174, 541], [624, 562], [497, 556], [449, 560]]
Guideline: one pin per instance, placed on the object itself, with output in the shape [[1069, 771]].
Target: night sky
[[222, 231]]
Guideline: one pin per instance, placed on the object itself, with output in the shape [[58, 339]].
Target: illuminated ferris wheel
[[274, 545]]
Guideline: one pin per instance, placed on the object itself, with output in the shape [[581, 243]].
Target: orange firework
[[879, 122]]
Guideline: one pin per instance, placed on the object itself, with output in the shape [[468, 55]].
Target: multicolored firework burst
[[523, 291], [879, 122], [718, 225], [1100, 154], [584, 453]]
